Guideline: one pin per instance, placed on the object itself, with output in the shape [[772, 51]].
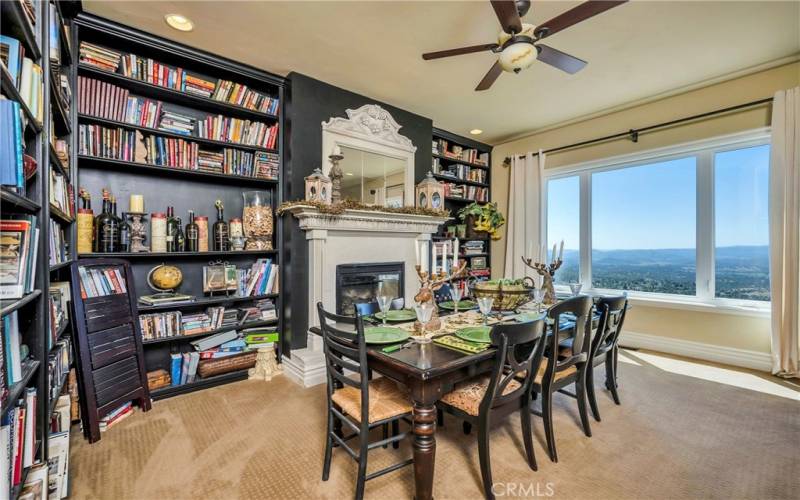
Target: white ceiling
[[635, 51]]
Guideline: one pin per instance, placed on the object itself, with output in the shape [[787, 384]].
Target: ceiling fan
[[518, 44]]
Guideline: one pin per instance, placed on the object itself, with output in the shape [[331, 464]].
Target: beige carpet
[[684, 430]]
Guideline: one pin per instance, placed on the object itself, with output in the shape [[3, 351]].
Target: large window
[[688, 221]]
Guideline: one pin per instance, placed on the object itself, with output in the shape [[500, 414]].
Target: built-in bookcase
[[183, 188], [464, 165]]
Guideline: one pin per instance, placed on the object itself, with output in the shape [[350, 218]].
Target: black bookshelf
[[185, 189], [453, 203]]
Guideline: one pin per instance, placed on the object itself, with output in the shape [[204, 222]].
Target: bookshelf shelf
[[186, 338], [459, 181], [60, 216], [20, 28], [12, 200], [147, 169], [61, 265], [166, 133], [29, 368], [200, 383], [11, 91], [462, 162], [9, 306], [204, 302], [175, 96], [162, 255]]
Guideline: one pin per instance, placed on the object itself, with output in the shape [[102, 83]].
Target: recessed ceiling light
[[179, 22], [476, 131]]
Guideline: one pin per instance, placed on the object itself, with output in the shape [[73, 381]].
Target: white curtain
[[523, 226], [784, 232]]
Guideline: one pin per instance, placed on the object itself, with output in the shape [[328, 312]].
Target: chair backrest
[[612, 316], [345, 349], [520, 347], [581, 308], [367, 308]]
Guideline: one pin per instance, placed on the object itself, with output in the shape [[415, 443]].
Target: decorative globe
[[164, 278]]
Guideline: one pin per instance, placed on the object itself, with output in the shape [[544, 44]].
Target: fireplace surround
[[359, 283]]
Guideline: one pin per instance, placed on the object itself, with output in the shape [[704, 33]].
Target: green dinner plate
[[398, 315], [384, 335], [463, 305], [475, 334], [528, 316]]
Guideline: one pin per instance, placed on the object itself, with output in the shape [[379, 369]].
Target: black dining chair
[[355, 401], [605, 347], [486, 400], [563, 366]]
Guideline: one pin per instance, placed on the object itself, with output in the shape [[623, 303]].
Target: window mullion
[[585, 235], [705, 226]]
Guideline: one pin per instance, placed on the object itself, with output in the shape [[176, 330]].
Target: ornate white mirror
[[377, 163]]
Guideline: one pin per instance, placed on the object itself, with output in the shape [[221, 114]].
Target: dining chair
[[605, 347], [355, 401], [563, 366], [485, 400]]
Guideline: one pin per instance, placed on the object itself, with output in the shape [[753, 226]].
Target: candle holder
[[547, 271], [430, 283], [138, 236]]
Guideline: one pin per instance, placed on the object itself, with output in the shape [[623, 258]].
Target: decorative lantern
[[430, 193], [318, 187]]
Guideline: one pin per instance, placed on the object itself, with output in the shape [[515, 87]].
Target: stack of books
[[193, 324], [176, 123], [160, 325], [472, 247], [198, 86], [101, 280], [102, 99], [19, 244], [142, 112], [183, 367], [237, 162], [104, 142], [171, 152], [99, 57], [223, 128], [116, 416], [210, 161], [260, 279], [256, 338], [262, 310], [152, 72], [266, 165], [18, 437], [241, 95]]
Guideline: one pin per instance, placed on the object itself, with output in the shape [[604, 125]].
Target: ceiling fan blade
[[560, 60], [573, 16], [457, 52], [508, 16], [490, 77]]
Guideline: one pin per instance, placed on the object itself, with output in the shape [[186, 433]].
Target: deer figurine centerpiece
[[547, 270], [433, 280]]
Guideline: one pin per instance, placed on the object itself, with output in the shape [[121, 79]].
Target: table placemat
[[453, 342]]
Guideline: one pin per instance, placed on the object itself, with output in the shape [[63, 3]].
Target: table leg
[[424, 417]]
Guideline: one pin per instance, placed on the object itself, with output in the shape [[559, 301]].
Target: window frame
[[705, 152]]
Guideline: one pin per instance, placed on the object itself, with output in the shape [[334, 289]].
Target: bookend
[[109, 353]]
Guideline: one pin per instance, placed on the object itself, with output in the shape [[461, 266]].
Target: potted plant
[[482, 219]]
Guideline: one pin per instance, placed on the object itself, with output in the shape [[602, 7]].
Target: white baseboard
[[707, 352]]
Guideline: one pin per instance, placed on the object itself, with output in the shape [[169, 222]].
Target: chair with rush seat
[[605, 347]]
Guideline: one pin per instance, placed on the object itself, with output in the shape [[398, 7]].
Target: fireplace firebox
[[358, 283]]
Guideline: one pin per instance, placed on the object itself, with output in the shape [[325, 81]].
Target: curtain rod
[[633, 134]]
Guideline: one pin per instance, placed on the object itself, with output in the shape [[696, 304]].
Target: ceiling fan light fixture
[[517, 56], [476, 131], [179, 22]]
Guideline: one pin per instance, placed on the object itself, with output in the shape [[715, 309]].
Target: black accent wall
[[308, 103]]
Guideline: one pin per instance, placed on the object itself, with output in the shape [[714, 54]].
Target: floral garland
[[348, 204]]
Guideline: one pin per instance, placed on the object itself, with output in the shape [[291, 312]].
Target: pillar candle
[[553, 257], [416, 252], [561, 251], [542, 254], [455, 253], [136, 203]]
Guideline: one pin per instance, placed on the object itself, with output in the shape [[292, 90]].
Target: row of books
[[464, 192], [18, 439], [444, 148], [61, 193], [13, 354], [171, 152], [176, 78], [260, 279], [98, 281], [251, 133], [58, 251], [62, 152], [58, 362], [458, 171], [19, 245], [103, 100], [472, 247], [103, 142], [15, 166], [25, 74], [59, 297], [174, 323]]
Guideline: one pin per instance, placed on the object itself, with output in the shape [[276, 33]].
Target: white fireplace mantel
[[355, 236]]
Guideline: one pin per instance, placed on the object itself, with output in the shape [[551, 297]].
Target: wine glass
[[575, 288], [485, 305], [384, 302], [538, 298], [424, 314], [455, 294]]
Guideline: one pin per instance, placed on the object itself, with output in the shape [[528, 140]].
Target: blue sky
[[654, 206]]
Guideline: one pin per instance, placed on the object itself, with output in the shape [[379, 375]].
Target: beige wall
[[719, 329]]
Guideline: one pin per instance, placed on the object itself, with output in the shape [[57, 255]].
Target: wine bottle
[[105, 235], [220, 230], [124, 233], [172, 229], [180, 241], [192, 234], [117, 226]]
